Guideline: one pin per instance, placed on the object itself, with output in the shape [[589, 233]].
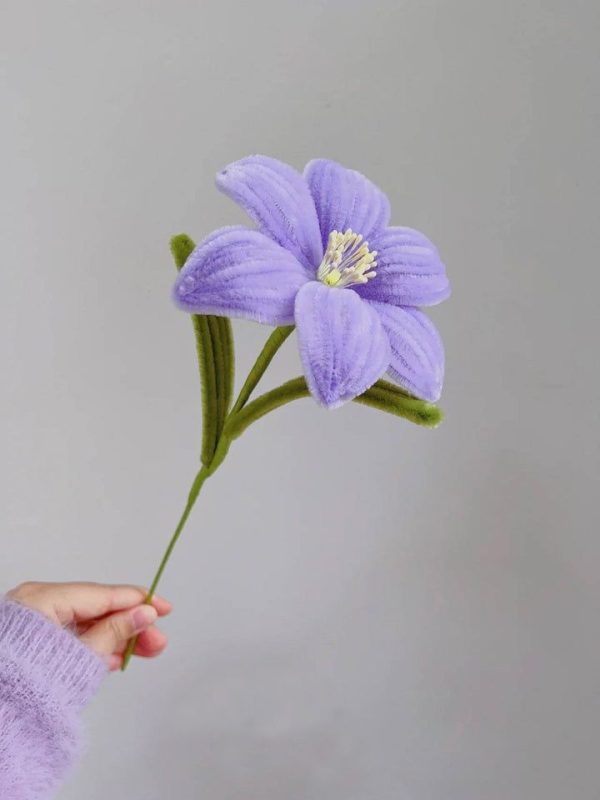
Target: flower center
[[347, 260]]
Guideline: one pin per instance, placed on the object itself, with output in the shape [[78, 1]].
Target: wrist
[[52, 654]]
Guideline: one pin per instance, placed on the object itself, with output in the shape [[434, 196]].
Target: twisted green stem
[[219, 451], [193, 495], [272, 345], [269, 401], [383, 396]]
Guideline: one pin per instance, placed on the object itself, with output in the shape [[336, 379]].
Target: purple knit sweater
[[46, 677]]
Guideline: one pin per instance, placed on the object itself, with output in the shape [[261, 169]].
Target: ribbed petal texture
[[343, 345], [346, 199], [349, 332], [417, 357], [409, 270], [238, 272], [277, 198]]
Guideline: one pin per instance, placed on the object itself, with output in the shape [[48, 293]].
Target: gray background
[[429, 632]]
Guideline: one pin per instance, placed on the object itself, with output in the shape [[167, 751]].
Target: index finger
[[83, 601]]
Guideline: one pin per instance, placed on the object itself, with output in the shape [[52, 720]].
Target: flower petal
[[277, 198], [345, 199], [239, 272], [409, 270], [343, 345], [417, 361]]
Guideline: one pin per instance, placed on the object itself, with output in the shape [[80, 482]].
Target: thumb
[[110, 634]]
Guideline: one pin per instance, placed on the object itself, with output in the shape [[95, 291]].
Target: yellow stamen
[[347, 260], [333, 277]]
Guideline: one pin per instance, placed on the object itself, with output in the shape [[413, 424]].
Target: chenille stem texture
[[192, 497], [272, 345], [214, 344], [274, 342]]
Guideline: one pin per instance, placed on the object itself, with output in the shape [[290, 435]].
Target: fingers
[[150, 643], [111, 633], [85, 601], [162, 605], [65, 603], [104, 616]]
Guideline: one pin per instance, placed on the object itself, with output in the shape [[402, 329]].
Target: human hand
[[104, 617]]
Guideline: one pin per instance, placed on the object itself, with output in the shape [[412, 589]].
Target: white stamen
[[347, 260]]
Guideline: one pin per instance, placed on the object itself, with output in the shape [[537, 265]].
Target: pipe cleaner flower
[[325, 259]]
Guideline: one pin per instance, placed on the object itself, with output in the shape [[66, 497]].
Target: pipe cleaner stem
[[220, 383], [383, 396], [202, 475], [293, 389], [266, 355]]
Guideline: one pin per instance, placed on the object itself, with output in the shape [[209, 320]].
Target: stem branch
[[224, 427], [272, 345]]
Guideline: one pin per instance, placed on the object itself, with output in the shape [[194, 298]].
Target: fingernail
[[143, 617]]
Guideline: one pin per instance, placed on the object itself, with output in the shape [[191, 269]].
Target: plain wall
[[427, 630]]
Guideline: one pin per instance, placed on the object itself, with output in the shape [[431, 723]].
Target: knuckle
[[118, 627], [23, 590], [114, 627]]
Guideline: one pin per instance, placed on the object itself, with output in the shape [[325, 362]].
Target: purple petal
[[343, 345], [345, 199], [239, 272], [276, 197], [409, 270], [417, 361]]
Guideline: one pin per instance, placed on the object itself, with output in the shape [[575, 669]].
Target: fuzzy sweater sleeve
[[46, 677]]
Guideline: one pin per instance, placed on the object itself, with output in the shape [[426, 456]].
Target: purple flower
[[325, 259]]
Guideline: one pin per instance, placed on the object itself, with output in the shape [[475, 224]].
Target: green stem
[[272, 345], [202, 475], [385, 396], [269, 401], [216, 445]]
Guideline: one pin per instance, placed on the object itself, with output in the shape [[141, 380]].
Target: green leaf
[[222, 345], [208, 386], [229, 359], [181, 248], [215, 351]]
